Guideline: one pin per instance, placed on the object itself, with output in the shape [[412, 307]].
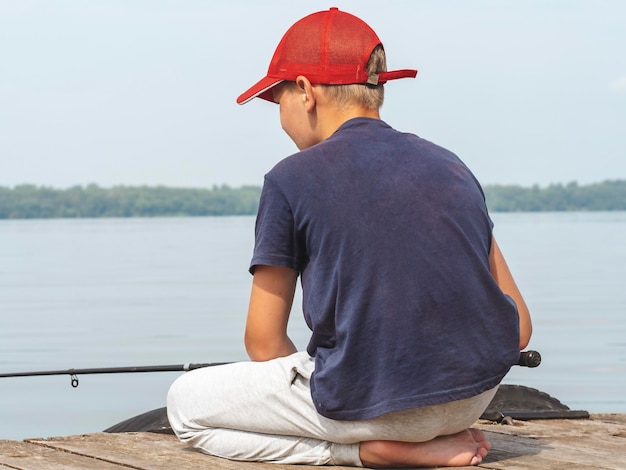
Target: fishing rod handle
[[529, 359]]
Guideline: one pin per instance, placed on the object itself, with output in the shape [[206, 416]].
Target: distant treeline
[[605, 196], [34, 202]]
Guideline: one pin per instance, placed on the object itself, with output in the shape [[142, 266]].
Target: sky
[[142, 92]]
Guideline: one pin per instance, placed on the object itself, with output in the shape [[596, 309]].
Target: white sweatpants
[[263, 411]]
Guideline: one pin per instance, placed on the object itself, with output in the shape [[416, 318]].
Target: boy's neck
[[334, 117]]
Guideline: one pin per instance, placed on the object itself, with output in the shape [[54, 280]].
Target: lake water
[[131, 292]]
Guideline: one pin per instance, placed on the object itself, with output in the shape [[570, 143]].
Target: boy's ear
[[307, 92]]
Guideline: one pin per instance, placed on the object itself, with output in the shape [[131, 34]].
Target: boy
[[414, 314]]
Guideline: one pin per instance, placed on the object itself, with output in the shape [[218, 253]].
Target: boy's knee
[[173, 394], [175, 398]]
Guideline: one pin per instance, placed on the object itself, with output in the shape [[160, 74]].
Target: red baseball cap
[[329, 47]]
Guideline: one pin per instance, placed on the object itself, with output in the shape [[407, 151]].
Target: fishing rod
[[529, 358], [73, 373], [526, 359]]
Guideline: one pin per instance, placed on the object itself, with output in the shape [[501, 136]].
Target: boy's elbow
[[258, 355], [526, 332], [254, 348], [264, 348], [259, 349]]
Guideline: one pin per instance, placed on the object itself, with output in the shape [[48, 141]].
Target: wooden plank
[[556, 444], [610, 418], [597, 443], [522, 453], [156, 452], [26, 456], [149, 451]]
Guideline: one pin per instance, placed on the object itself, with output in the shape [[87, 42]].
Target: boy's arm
[[272, 294], [501, 273]]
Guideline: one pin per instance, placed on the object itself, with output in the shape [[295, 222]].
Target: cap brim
[[261, 89]]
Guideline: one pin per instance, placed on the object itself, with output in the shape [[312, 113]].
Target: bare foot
[[468, 447]]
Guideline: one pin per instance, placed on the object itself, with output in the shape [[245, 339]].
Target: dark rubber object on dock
[[151, 421], [511, 401], [525, 403]]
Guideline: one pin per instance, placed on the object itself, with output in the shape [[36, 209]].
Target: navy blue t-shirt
[[390, 234]]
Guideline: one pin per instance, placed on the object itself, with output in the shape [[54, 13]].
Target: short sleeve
[[275, 232]]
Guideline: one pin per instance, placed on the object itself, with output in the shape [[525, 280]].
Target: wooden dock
[[596, 443]]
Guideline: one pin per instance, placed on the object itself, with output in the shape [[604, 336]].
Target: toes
[[480, 438], [482, 452], [478, 435]]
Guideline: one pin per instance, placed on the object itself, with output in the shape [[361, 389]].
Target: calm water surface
[[128, 292]]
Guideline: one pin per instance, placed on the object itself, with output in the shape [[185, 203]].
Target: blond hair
[[366, 95]]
